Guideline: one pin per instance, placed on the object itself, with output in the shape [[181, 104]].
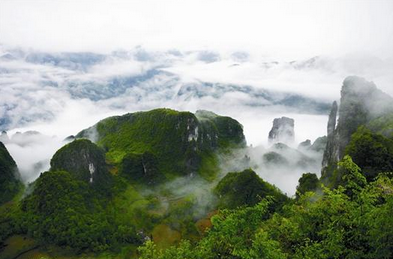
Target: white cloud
[[286, 28], [60, 99]]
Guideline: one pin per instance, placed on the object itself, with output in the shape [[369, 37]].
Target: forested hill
[[363, 130], [346, 214], [156, 185], [9, 177]]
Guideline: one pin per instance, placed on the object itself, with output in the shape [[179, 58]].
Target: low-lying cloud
[[59, 94]]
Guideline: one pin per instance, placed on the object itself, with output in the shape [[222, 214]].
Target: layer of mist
[[59, 94], [31, 151]]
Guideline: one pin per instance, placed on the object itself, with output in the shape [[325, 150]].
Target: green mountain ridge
[[245, 188], [117, 190], [85, 161], [150, 185], [9, 176], [179, 143]]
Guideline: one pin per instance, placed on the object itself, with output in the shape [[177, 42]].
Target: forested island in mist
[[173, 184]]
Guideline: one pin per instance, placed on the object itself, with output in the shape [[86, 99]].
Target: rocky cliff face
[[282, 131], [331, 152], [361, 102], [229, 132]]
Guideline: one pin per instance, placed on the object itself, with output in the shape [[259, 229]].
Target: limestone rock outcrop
[[361, 102], [283, 131]]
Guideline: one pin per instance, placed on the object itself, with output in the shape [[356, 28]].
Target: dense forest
[[157, 184]]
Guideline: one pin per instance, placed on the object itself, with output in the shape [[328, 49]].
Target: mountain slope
[[9, 177], [180, 143], [245, 189], [85, 161]]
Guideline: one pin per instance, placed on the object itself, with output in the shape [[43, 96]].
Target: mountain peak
[[361, 102]]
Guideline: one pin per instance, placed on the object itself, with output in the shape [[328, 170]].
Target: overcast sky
[[288, 29]]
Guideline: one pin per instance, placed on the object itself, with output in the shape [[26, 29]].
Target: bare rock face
[[332, 118], [331, 152], [282, 131]]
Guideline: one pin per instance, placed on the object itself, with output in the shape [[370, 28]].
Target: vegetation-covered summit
[[179, 143], [67, 211], [85, 161], [245, 189], [157, 200], [352, 221]]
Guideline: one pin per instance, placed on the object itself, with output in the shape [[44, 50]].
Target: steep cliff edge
[[361, 103], [282, 131]]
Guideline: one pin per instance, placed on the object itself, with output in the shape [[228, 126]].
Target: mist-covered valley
[[59, 93], [196, 129]]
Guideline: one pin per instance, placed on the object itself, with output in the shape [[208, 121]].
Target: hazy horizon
[[279, 29]]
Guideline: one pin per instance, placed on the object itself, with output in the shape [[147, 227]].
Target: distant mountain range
[[35, 86]]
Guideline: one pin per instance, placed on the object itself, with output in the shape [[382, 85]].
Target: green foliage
[[230, 132], [254, 220], [263, 247], [85, 161], [9, 182], [141, 168], [180, 142], [336, 224], [345, 167], [245, 188], [8, 212], [383, 125], [348, 222], [307, 183], [79, 204], [380, 220], [149, 251], [372, 152], [352, 178], [67, 211], [209, 167], [235, 234], [232, 231]]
